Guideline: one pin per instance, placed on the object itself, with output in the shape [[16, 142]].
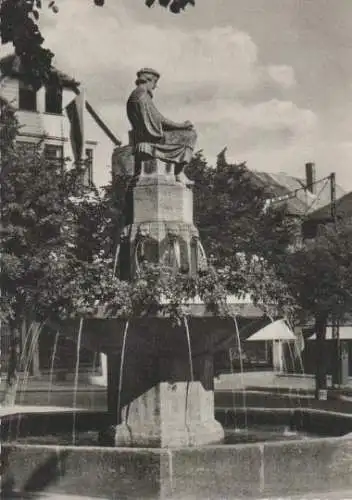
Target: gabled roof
[[299, 200], [10, 65]]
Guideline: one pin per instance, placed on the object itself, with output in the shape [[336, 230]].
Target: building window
[[54, 154], [88, 172], [53, 100], [27, 100]]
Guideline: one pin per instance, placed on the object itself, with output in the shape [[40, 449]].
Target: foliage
[[19, 25], [159, 290], [255, 247], [250, 242], [70, 287], [39, 215], [228, 194], [175, 6], [319, 275], [260, 281], [8, 127], [76, 288]]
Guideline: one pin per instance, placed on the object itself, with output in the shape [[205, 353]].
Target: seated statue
[[154, 135]]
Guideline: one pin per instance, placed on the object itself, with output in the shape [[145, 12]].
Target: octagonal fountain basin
[[286, 464], [160, 375], [159, 335]]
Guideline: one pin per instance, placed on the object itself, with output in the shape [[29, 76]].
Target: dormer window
[[27, 99], [53, 100]]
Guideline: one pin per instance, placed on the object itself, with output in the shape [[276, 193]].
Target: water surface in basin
[[254, 434]]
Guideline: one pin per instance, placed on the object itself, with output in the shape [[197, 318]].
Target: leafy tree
[[228, 194], [19, 26], [42, 207], [243, 239]]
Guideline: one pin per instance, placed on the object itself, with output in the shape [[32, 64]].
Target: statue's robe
[[156, 136]]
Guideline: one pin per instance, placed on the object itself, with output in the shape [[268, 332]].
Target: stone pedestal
[[162, 229], [170, 415], [160, 402], [161, 198]]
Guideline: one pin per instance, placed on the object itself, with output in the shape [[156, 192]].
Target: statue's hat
[[149, 71]]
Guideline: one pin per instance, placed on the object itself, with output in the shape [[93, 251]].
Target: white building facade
[[43, 120]]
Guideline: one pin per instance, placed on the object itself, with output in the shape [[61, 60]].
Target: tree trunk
[[321, 362], [13, 358], [336, 356]]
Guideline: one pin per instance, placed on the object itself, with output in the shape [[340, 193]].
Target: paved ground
[[41, 393], [267, 379], [225, 381]]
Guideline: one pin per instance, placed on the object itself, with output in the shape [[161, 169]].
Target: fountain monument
[[167, 394], [160, 376]]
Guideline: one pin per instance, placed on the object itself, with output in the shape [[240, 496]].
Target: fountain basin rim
[[283, 474], [197, 309], [160, 315]]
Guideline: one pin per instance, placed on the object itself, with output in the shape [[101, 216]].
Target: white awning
[[278, 330], [345, 333]]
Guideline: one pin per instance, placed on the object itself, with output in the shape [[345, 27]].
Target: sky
[[269, 79]]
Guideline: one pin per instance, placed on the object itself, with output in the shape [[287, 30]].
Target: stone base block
[[170, 415], [162, 198]]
